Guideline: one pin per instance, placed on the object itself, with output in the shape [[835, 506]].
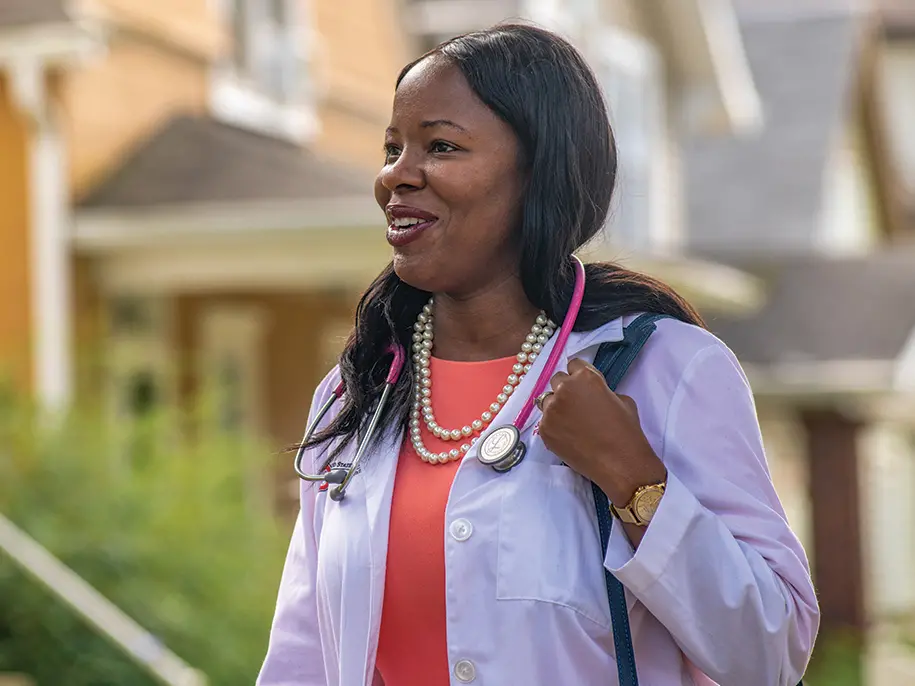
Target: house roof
[[828, 310], [764, 192], [200, 161], [24, 12], [897, 17]]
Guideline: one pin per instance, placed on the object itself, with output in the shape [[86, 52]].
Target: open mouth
[[406, 226]]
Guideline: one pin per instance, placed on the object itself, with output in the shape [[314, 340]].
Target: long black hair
[[540, 85]]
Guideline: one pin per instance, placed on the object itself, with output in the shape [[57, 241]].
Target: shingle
[[23, 12], [765, 192], [828, 309], [200, 160]]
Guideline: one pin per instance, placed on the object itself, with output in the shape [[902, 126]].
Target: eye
[[391, 152], [442, 147]]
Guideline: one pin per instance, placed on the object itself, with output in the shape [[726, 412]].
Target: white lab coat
[[718, 591]]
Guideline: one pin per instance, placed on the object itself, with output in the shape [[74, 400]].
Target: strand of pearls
[[423, 336]]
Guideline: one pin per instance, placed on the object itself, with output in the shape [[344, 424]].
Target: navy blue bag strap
[[613, 360]]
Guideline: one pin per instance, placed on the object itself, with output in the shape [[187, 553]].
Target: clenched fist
[[597, 433]]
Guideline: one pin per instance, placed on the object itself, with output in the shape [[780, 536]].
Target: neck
[[487, 325]]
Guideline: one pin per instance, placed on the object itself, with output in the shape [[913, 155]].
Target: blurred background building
[[186, 207]]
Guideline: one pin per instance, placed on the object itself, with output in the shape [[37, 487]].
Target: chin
[[417, 271]]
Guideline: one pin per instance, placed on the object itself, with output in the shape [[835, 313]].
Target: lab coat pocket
[[549, 549]]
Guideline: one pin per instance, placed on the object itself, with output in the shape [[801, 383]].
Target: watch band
[[629, 513]]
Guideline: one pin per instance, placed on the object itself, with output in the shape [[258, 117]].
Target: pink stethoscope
[[502, 448]]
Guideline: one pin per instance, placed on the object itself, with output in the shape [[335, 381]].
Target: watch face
[[647, 504]]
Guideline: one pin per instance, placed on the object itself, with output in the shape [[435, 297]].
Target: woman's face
[[451, 185]]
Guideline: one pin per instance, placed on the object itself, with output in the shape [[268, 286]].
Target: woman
[[499, 164]]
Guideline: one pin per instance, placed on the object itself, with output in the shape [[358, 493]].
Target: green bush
[[176, 533]]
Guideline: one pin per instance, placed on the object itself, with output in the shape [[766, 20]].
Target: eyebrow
[[429, 124]]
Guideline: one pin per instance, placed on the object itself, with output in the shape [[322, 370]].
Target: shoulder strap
[[613, 361]]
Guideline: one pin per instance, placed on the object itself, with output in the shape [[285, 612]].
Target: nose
[[404, 173]]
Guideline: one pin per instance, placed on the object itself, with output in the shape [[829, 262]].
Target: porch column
[[49, 245], [838, 568]]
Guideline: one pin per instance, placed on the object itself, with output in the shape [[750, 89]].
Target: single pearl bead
[[466, 431], [541, 319], [465, 447], [455, 454], [526, 347], [486, 417], [417, 337], [536, 347], [418, 326], [427, 402], [518, 368], [427, 382], [477, 425], [455, 434], [502, 398], [541, 339], [508, 389], [531, 357], [522, 357], [531, 338], [495, 407], [527, 368], [425, 353]]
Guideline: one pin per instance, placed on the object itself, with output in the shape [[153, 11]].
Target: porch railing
[[136, 642]]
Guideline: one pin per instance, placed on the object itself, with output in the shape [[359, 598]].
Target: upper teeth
[[407, 221]]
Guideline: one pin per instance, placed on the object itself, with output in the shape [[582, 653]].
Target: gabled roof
[[15, 13], [200, 161], [765, 192], [822, 310]]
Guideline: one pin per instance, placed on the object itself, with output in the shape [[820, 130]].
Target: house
[[818, 207], [186, 197]]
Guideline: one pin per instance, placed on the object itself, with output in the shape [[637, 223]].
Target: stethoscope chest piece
[[502, 449]]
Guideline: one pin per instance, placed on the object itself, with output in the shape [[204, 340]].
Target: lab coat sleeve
[[294, 655], [719, 566]]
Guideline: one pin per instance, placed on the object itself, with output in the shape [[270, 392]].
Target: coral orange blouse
[[412, 647]]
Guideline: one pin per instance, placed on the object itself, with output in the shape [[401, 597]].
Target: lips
[[406, 224]]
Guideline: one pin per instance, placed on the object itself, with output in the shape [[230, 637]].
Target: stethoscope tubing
[[341, 477]]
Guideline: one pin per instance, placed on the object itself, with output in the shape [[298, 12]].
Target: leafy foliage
[[176, 533]]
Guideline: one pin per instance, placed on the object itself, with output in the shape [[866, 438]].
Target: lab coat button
[[461, 529], [465, 671]]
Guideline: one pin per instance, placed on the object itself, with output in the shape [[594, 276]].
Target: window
[[231, 355], [138, 356], [263, 82], [631, 73]]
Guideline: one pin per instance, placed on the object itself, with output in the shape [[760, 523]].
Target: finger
[[558, 379], [629, 404], [545, 403], [579, 366]]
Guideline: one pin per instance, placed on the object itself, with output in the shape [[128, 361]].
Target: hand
[[597, 433]]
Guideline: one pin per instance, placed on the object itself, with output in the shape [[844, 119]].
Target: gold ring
[[541, 398]]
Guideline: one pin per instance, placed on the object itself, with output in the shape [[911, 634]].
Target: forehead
[[436, 89]]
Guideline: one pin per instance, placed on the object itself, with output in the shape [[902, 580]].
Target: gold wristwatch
[[642, 506]]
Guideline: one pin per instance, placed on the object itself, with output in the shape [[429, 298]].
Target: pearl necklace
[[540, 333]]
